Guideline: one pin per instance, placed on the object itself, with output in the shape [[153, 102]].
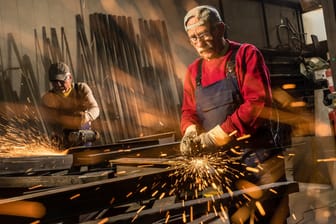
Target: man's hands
[[216, 137], [210, 140], [188, 140], [84, 119]]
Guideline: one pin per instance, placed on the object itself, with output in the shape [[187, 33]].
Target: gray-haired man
[[227, 96]]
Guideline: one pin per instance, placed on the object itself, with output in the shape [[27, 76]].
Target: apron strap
[[199, 73]]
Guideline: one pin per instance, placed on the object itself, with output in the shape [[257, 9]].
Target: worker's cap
[[58, 71], [204, 14]]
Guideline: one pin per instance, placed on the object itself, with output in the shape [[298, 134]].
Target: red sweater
[[253, 82]]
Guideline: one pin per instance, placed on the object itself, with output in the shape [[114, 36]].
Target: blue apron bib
[[219, 100], [215, 102]]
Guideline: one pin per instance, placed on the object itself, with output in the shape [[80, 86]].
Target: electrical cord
[[294, 41]]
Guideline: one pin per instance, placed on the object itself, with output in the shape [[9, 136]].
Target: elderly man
[[227, 95], [68, 106]]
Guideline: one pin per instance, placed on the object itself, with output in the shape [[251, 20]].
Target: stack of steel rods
[[133, 73]]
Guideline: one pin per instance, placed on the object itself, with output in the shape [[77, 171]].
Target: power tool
[[81, 137]]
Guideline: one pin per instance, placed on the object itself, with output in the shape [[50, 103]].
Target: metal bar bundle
[[134, 75]]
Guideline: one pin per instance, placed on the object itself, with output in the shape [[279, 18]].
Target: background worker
[[227, 95], [68, 107]]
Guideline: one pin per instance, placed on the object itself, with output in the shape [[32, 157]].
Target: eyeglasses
[[206, 36]]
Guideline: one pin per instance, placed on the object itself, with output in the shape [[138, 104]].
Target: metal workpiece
[[135, 181], [69, 202], [81, 180], [201, 210], [31, 164]]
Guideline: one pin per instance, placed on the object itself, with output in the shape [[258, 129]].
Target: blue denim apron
[[215, 102], [219, 100]]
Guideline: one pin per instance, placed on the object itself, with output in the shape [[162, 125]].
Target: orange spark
[[75, 196]]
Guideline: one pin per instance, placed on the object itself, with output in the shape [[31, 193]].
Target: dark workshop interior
[[134, 54]]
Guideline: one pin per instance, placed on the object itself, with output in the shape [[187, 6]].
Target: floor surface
[[312, 163]]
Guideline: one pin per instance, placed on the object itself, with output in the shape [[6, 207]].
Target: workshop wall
[[258, 21]]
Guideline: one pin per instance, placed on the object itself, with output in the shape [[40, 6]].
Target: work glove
[[213, 139], [84, 119], [188, 138]]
